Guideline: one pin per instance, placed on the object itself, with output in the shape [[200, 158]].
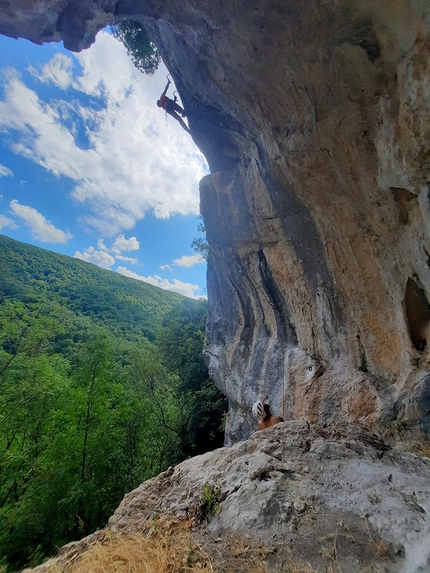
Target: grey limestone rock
[[314, 120]]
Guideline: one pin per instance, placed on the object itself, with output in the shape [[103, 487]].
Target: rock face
[[296, 484], [314, 117], [336, 498]]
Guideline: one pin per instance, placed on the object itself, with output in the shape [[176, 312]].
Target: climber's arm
[[166, 88]]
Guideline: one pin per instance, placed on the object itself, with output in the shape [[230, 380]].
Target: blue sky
[[90, 167]]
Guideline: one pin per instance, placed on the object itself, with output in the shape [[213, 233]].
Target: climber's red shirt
[[268, 421], [163, 101]]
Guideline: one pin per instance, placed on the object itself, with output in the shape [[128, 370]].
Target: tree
[[89, 405], [200, 244], [32, 392], [63, 461], [203, 405], [25, 330], [142, 51]]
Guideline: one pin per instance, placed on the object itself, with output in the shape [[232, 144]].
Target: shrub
[[142, 51]]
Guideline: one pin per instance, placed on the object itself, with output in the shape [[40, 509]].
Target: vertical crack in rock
[[274, 295]]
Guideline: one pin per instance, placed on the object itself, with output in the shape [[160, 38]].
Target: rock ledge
[[299, 489]]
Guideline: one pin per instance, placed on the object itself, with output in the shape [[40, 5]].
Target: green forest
[[103, 385]]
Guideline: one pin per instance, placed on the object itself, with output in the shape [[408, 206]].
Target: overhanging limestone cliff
[[315, 121]]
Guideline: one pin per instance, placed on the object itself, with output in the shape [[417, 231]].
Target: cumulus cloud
[[99, 258], [6, 222], [131, 260], [119, 245], [186, 289], [101, 245], [165, 268], [129, 161], [40, 228], [5, 171], [122, 244], [189, 260]]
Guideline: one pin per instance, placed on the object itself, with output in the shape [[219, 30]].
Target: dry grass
[[291, 565], [164, 548], [182, 546], [138, 555], [381, 548], [239, 554], [422, 449], [293, 568]]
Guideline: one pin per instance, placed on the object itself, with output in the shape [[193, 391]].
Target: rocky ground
[[332, 498]]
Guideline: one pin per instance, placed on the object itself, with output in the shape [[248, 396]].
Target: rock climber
[[264, 416], [172, 108]]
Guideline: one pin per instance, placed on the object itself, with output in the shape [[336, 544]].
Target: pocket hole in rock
[[417, 314]]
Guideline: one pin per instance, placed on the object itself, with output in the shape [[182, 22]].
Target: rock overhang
[[313, 120]]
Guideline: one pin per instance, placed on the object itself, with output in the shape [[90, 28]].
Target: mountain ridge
[[49, 274]]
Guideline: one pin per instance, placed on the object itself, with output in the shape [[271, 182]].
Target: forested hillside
[[102, 385], [127, 307]]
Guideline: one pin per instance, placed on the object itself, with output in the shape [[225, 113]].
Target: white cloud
[[5, 171], [189, 260], [57, 71], [119, 245], [132, 161], [122, 244], [165, 268], [6, 222], [131, 260], [99, 258], [40, 228], [186, 289]]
